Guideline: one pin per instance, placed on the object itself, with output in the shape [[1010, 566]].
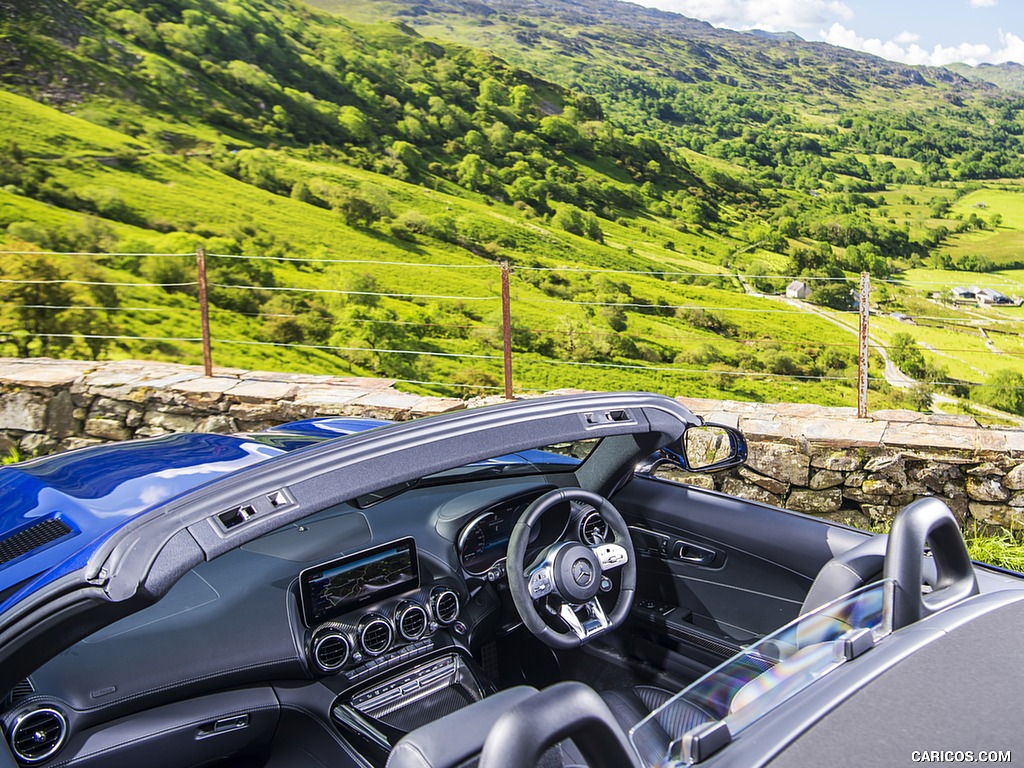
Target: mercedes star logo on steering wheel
[[582, 573]]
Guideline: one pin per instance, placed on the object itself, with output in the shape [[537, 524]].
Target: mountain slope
[[337, 156], [1009, 76], [705, 88]]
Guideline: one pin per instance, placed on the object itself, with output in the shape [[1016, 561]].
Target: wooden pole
[[862, 357], [204, 311], [506, 328]]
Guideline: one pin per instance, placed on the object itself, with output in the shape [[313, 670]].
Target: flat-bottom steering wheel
[[571, 572]]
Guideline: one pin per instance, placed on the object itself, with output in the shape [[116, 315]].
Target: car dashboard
[[360, 621]]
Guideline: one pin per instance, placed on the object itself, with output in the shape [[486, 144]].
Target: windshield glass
[[755, 681], [558, 457]]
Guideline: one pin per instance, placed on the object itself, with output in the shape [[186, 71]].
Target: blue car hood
[[56, 511]]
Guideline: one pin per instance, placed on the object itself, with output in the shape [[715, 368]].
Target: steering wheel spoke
[[611, 556], [540, 582], [591, 623]]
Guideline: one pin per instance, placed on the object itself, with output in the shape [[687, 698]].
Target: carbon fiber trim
[[710, 644]]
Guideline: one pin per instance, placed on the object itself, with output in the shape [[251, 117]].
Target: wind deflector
[[755, 681]]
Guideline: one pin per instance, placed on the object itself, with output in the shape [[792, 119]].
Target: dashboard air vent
[[31, 538], [19, 693], [411, 619], [375, 635], [330, 648], [38, 734], [445, 604], [593, 529]]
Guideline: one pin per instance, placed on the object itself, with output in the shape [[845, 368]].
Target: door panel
[[716, 572]]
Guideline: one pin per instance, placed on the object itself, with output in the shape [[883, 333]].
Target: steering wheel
[[571, 572]]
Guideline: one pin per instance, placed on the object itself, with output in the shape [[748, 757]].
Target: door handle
[[691, 553]]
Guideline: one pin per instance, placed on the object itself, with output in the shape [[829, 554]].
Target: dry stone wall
[[827, 462], [822, 461]]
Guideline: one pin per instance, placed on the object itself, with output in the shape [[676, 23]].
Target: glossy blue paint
[[96, 491], [329, 426]]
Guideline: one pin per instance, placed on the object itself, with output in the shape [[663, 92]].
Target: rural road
[[893, 375]]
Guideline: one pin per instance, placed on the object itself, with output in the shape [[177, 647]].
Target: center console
[[375, 716], [390, 645]]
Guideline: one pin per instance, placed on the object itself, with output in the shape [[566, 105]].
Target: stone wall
[[827, 462], [824, 461]]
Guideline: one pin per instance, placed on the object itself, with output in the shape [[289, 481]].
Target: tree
[[32, 309], [355, 208], [471, 172], [906, 355], [578, 222], [835, 294], [1004, 390], [920, 396]]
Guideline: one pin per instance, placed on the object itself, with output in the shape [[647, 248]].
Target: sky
[[935, 32]]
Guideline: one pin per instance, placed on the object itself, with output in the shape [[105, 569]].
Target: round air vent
[[375, 634], [38, 734], [411, 620], [593, 529], [329, 648], [445, 605]]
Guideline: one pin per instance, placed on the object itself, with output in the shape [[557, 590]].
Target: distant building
[[797, 290], [964, 294], [992, 296]]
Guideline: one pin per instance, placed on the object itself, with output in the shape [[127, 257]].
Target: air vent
[[411, 619], [20, 692], [330, 648], [31, 538], [445, 604], [37, 735], [375, 635], [593, 529]]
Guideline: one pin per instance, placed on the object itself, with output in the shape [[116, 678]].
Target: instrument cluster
[[482, 544]]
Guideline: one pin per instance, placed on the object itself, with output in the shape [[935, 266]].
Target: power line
[[111, 337], [597, 270], [670, 306], [332, 348], [372, 262], [672, 369], [103, 309], [85, 253], [352, 293], [98, 282]]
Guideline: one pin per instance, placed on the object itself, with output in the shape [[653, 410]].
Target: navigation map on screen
[[341, 585]]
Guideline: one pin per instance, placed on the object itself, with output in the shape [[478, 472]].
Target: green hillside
[[1009, 75], [374, 175]]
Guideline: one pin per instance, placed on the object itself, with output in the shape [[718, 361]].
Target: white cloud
[[984, 3], [1012, 50], [800, 16], [905, 48]]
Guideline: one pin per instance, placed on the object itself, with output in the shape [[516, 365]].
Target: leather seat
[[631, 705], [455, 739]]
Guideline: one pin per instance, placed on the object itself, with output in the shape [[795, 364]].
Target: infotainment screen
[[336, 587]]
